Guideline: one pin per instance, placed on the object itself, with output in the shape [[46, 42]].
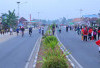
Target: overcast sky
[[51, 9]]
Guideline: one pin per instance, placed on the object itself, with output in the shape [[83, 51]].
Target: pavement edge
[[33, 53], [70, 58]]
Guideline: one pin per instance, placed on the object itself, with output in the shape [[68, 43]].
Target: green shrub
[[48, 39], [53, 56], [55, 62], [54, 52], [50, 42]]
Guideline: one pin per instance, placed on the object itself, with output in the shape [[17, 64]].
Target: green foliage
[[50, 42], [55, 52], [53, 56], [49, 32], [10, 20], [55, 62]]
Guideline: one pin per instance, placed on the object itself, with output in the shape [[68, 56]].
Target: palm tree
[[4, 21], [9, 20], [12, 19]]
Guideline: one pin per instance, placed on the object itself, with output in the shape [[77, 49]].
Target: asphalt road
[[86, 53], [15, 52]]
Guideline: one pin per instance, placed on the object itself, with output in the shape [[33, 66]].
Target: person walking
[[98, 32], [53, 29], [66, 28], [22, 29], [85, 34], [82, 33], [90, 33], [60, 29], [30, 31], [92, 38], [7, 30], [42, 31], [70, 28], [17, 30], [94, 34], [78, 30], [11, 30]]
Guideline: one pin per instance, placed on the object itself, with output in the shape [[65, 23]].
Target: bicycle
[[30, 33]]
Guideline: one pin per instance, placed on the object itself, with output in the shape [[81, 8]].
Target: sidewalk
[[7, 36]]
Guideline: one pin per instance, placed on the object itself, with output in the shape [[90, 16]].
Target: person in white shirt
[[11, 30]]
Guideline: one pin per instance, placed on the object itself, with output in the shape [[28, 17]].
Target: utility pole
[[39, 18]]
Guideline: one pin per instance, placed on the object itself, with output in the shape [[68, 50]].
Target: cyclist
[[17, 30], [40, 30], [30, 31]]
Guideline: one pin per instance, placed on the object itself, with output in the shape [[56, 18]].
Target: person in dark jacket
[[66, 28], [53, 29], [98, 32]]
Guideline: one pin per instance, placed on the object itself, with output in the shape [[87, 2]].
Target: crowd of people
[[89, 33], [4, 31]]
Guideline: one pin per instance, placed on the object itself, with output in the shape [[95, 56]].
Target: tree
[[4, 21], [12, 19], [9, 20]]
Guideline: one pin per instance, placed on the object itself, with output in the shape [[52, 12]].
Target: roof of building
[[76, 20], [90, 16], [22, 19]]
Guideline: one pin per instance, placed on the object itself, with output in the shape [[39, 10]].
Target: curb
[[38, 43], [70, 58], [34, 54]]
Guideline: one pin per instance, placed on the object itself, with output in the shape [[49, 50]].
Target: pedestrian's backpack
[[94, 33], [85, 31]]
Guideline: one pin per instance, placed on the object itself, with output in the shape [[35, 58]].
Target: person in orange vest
[[82, 33]]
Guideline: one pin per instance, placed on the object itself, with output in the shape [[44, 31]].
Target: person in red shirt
[[89, 33], [85, 34], [98, 43]]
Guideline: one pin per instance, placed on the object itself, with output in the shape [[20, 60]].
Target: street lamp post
[[18, 10], [81, 15]]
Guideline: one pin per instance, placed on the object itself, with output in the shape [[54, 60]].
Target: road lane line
[[73, 61]]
